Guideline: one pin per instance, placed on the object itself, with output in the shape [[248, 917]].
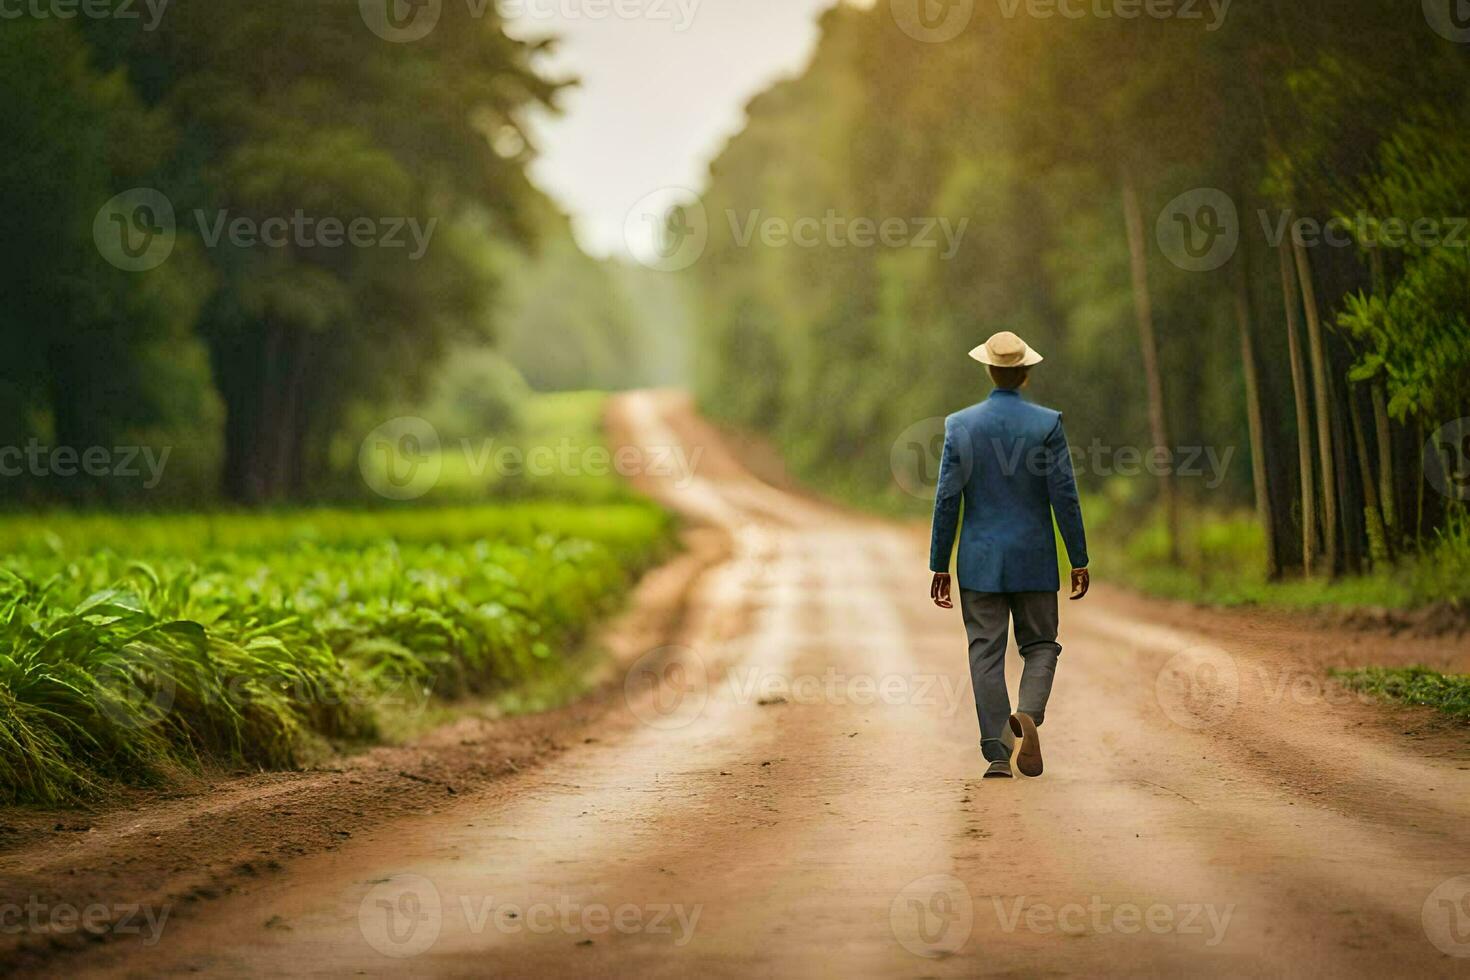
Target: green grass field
[[135, 646]]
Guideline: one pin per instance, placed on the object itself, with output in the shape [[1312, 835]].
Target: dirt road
[[793, 790]]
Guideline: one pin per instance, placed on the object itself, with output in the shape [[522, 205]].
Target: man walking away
[[1007, 460]]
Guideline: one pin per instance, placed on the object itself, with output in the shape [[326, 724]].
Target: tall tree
[[1292, 300], [1322, 392], [300, 114]]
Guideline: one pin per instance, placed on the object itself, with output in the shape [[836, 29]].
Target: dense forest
[[1248, 235], [249, 354]]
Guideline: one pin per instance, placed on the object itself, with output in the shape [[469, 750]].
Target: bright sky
[[661, 92]]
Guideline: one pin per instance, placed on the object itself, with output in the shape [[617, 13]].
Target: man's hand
[[1080, 582], [939, 591]]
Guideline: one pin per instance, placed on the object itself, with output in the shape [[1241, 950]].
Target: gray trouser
[[986, 616]]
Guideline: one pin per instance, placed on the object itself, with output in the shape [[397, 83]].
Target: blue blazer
[[1008, 460]]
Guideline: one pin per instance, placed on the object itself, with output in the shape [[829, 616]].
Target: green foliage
[[244, 638], [1448, 693], [1416, 332], [89, 354], [266, 112], [477, 393]]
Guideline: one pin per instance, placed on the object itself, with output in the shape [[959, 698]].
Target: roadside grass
[[1224, 563], [1449, 693], [133, 647]]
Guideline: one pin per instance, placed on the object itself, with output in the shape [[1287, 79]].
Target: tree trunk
[[1321, 388], [1383, 435], [1143, 308], [254, 371], [1254, 421], [1303, 415], [1352, 546], [1419, 505], [1373, 516], [1386, 494]]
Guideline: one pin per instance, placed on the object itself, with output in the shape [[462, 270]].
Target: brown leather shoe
[[1028, 759], [999, 769]]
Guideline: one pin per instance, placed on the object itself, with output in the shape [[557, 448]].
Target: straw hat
[[1005, 349]]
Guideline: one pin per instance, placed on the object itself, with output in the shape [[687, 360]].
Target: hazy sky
[[660, 94]]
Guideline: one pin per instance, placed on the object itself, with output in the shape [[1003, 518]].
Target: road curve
[[793, 790]]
